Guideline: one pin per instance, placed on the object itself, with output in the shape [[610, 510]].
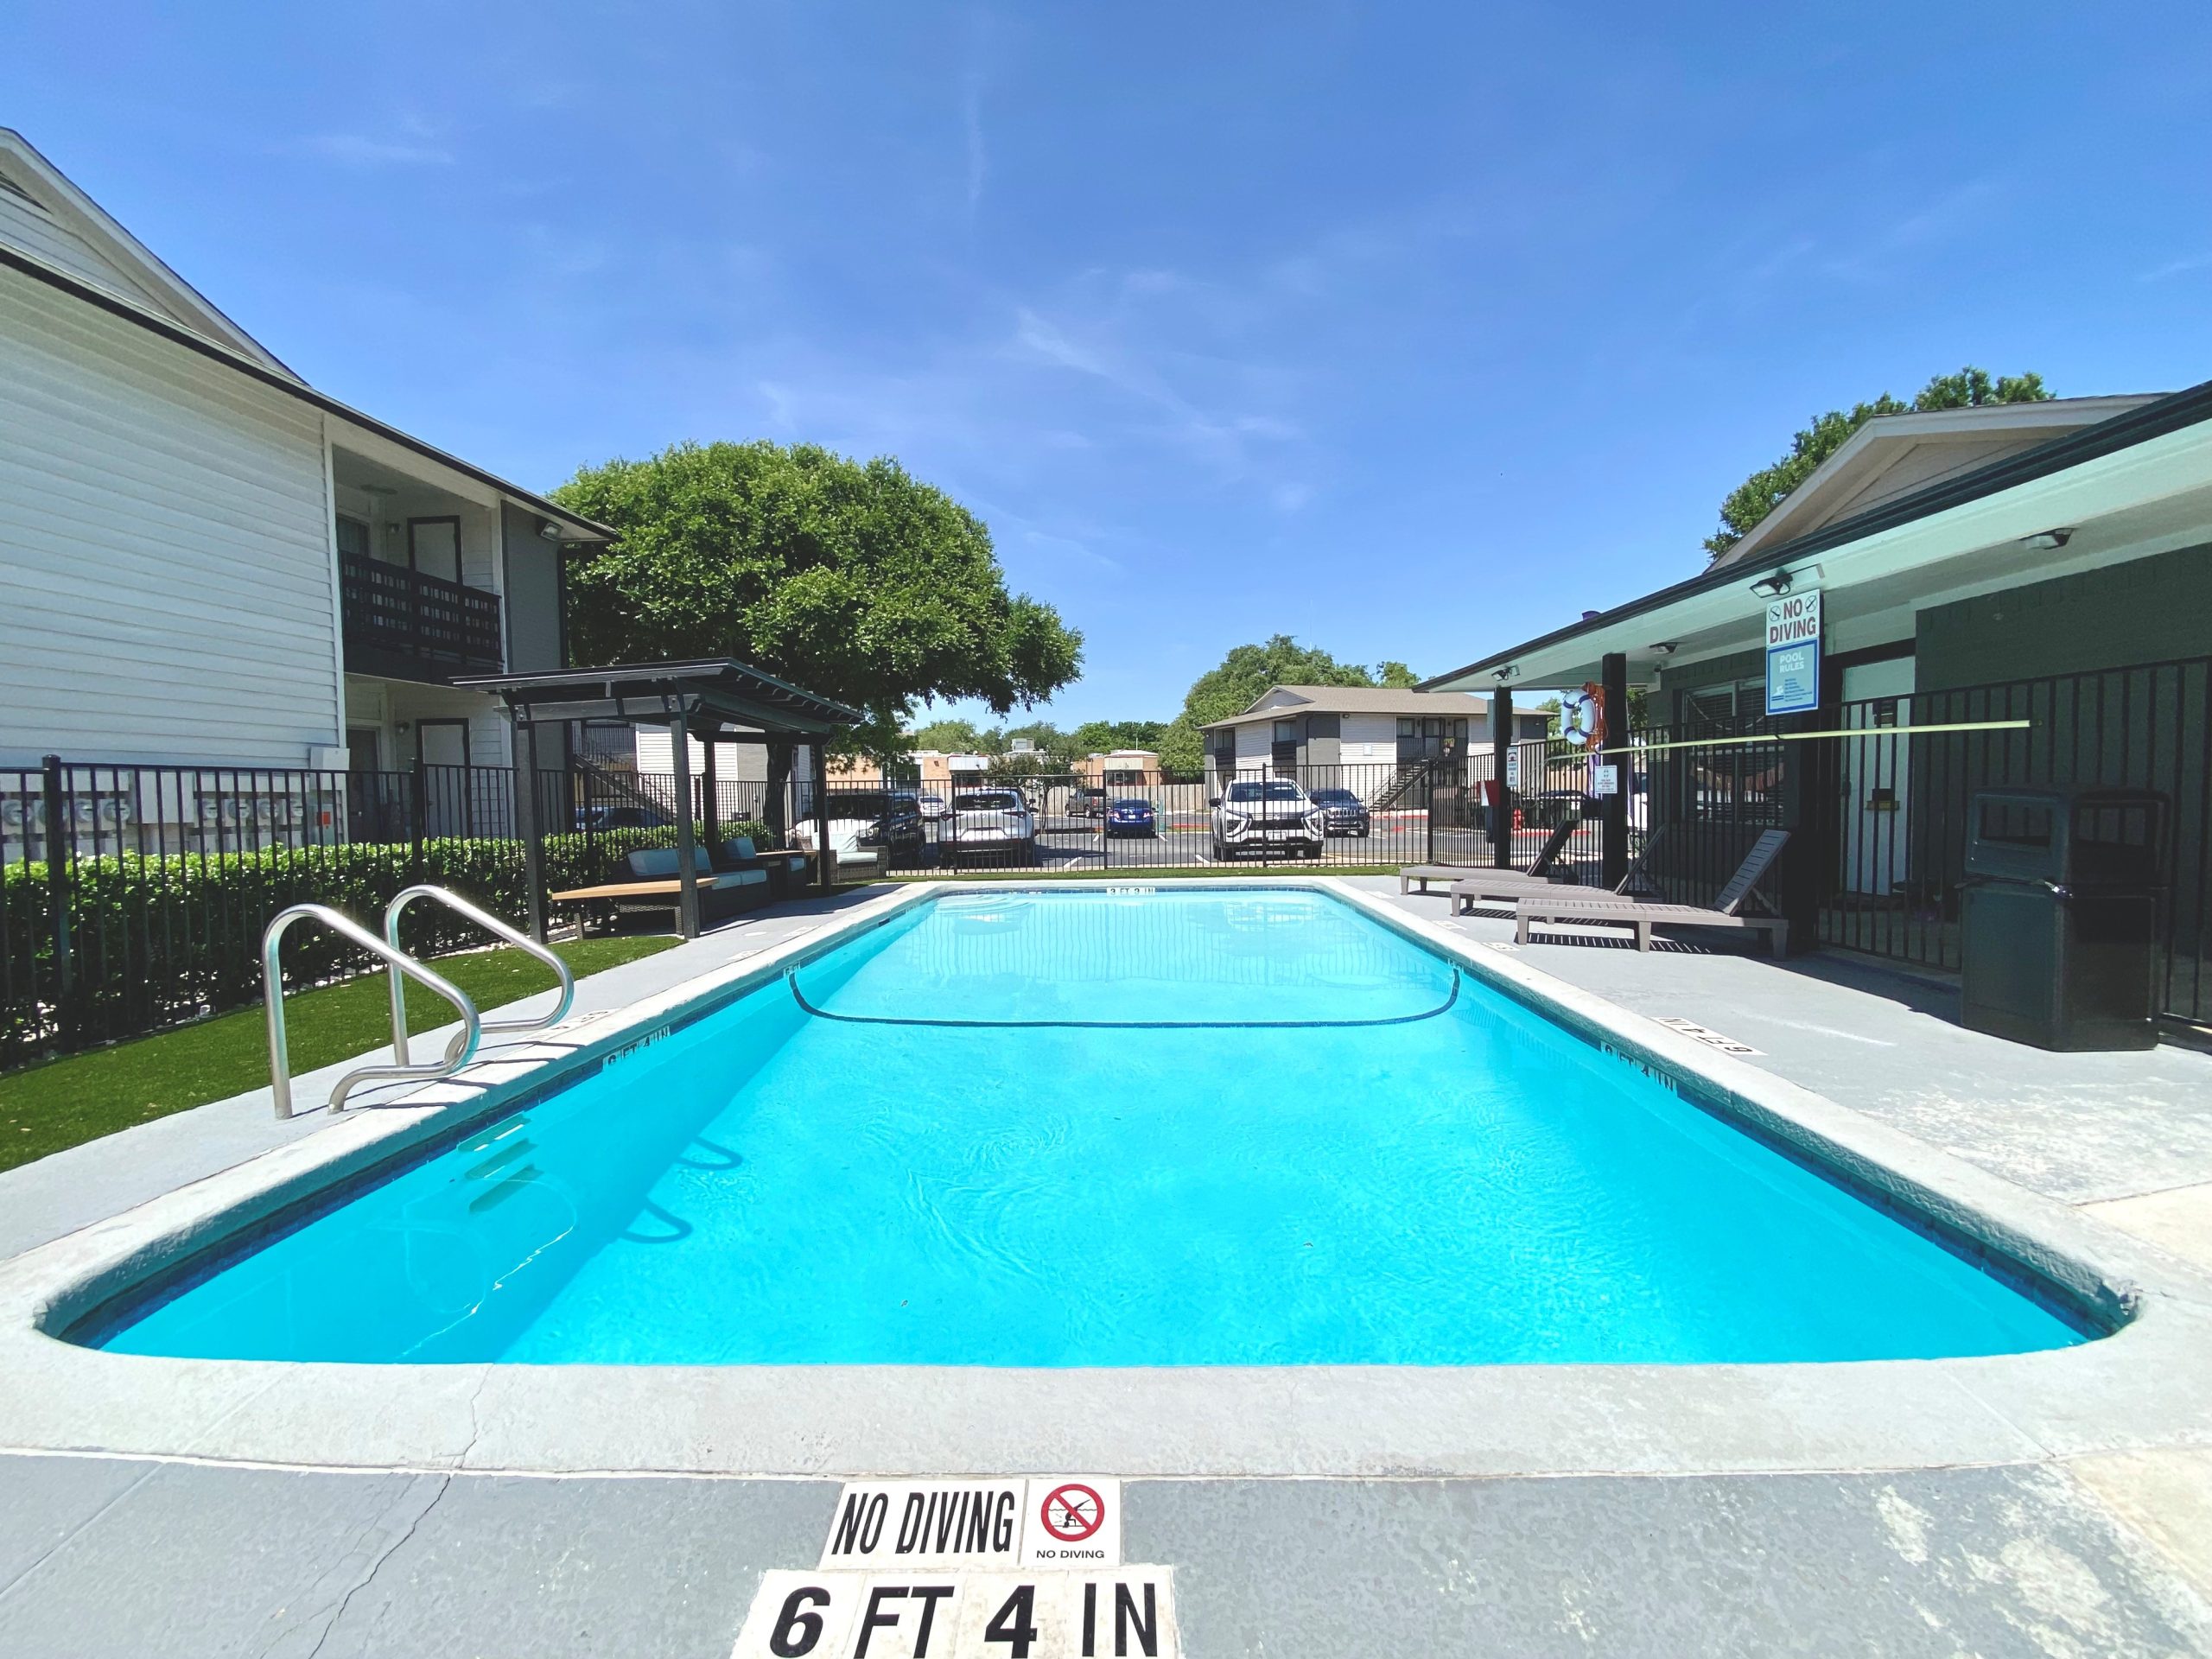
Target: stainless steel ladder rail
[[272, 982], [491, 925]]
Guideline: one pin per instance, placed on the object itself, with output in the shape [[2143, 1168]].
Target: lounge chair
[[651, 885], [1546, 856], [1510, 886], [1594, 912]]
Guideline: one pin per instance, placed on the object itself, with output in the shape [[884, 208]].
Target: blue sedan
[[1130, 817]]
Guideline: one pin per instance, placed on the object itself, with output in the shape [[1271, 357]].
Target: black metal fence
[[1896, 842], [135, 897], [1265, 816], [1878, 816]]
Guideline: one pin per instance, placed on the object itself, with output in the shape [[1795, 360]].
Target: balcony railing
[[389, 608]]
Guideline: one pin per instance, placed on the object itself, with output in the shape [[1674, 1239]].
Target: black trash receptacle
[[2059, 941]]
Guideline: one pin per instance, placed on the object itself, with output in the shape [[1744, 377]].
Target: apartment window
[[1285, 731], [1408, 726], [352, 537]]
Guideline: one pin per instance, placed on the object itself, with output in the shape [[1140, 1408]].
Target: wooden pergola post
[[687, 846]]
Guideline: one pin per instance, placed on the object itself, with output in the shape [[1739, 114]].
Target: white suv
[[992, 822], [1270, 815]]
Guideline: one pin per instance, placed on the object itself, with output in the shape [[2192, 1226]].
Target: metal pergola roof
[[704, 698], [707, 693]]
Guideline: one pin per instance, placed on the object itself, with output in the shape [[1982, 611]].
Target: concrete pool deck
[[1803, 1512]]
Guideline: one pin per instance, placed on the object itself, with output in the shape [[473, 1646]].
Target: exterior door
[[1877, 773], [434, 547], [448, 808]]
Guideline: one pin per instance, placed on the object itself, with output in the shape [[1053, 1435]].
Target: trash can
[[2059, 927]]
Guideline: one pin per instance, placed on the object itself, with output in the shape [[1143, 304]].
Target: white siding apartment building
[[203, 560], [1369, 735]]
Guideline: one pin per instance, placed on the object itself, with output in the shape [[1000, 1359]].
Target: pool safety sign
[[1060, 1521], [1793, 653], [968, 1569]]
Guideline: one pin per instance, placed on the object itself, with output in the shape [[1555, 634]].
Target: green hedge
[[157, 940]]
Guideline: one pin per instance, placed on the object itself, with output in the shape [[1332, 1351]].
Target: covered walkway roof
[[2133, 485]]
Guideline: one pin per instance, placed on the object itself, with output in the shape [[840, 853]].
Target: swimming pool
[[1213, 1126]]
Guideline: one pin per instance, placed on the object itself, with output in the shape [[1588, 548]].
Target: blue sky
[[1411, 330]]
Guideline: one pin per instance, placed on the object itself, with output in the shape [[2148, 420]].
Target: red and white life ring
[[1582, 717]]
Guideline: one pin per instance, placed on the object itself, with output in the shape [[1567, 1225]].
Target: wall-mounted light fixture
[[1664, 648], [549, 530], [1501, 674], [2047, 541], [1773, 587]]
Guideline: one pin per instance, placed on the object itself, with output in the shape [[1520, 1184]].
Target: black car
[[894, 820], [1343, 812], [621, 817]]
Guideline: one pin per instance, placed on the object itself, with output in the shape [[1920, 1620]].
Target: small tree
[[1246, 672], [855, 580], [1764, 491]]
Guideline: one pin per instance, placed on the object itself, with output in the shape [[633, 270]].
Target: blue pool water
[[1209, 1127]]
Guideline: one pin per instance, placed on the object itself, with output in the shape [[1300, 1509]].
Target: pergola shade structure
[[718, 700]]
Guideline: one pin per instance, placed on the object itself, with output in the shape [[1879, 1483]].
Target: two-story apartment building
[[1366, 739], [204, 560]]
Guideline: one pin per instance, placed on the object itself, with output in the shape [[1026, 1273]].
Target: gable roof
[[104, 284], [1280, 700], [44, 214], [1892, 455]]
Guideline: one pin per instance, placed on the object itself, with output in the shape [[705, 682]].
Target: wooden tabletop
[[668, 888]]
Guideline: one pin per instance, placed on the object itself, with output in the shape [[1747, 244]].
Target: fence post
[[418, 812], [59, 844], [527, 822], [1430, 816]]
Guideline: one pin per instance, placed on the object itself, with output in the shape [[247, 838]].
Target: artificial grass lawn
[[79, 1097]]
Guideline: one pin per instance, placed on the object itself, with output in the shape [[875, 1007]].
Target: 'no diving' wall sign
[[1793, 653]]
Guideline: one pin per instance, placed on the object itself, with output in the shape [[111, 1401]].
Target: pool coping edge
[[2125, 1390]]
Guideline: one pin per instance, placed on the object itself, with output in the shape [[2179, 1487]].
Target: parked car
[[993, 824], [623, 816], [934, 806], [1132, 815], [870, 819], [1272, 815], [1342, 813], [1087, 803]]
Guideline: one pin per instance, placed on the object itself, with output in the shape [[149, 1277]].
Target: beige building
[[1360, 738]]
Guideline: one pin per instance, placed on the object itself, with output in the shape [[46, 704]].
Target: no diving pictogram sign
[[1072, 1512]]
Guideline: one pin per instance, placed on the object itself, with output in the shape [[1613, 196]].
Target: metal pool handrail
[[272, 982], [491, 925]]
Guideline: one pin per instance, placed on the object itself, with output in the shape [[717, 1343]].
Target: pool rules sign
[[1793, 653], [974, 1569]]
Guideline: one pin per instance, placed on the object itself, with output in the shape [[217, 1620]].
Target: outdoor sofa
[[651, 886]]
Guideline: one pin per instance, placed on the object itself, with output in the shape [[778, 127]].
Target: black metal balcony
[[402, 620]]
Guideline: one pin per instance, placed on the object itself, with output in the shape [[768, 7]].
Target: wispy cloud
[[2177, 268], [417, 144], [971, 111], [978, 158]]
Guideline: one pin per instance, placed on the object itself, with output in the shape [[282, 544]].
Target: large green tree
[[1104, 736], [1246, 672], [1759, 494], [855, 580]]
